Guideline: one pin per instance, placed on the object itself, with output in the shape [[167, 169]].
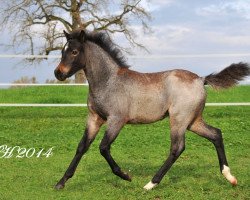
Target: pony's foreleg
[[93, 125], [177, 147], [114, 126], [214, 135]]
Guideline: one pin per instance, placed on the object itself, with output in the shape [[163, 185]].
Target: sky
[[189, 34]]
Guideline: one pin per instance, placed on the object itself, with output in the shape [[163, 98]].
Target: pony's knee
[[103, 149], [84, 144], [177, 150]]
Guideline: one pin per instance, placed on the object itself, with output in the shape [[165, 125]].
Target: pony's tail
[[228, 77]]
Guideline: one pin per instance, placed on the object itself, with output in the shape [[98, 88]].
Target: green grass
[[78, 94], [41, 94], [140, 150], [235, 94]]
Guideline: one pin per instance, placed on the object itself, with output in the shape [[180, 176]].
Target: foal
[[119, 96]]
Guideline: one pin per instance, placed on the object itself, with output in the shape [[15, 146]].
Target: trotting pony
[[119, 96]]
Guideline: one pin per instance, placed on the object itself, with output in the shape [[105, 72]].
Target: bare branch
[[51, 16], [57, 6], [50, 49]]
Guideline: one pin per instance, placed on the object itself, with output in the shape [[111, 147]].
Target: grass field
[[78, 94], [140, 150]]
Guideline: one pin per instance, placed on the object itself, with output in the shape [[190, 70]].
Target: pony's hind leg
[[93, 125], [177, 147], [214, 135]]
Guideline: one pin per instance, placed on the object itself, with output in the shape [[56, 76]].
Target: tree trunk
[[76, 23]]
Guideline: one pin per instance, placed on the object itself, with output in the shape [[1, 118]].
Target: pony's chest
[[98, 105]]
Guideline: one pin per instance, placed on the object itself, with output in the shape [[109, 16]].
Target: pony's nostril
[[59, 75]]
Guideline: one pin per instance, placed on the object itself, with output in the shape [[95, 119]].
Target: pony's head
[[72, 55]]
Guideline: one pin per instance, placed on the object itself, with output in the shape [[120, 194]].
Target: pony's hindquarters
[[186, 95]]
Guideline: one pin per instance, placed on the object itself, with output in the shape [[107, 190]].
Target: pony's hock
[[119, 96]]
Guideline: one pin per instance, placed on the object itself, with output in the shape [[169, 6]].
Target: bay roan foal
[[119, 96]]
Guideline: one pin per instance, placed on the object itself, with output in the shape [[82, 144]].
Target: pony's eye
[[74, 52]]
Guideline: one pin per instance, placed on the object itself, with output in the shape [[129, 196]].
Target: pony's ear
[[82, 36], [66, 35]]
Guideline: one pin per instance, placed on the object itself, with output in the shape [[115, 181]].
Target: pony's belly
[[147, 115], [145, 120]]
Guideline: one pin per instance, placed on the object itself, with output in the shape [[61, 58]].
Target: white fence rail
[[42, 84], [41, 105], [85, 105], [222, 55]]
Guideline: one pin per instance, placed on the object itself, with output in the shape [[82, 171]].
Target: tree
[[36, 25]]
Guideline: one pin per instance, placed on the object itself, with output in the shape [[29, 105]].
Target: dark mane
[[105, 42]]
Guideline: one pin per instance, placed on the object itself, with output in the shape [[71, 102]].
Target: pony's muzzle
[[59, 75], [61, 72]]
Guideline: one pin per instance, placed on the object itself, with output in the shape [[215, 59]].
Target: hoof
[[234, 181], [59, 186], [226, 172], [150, 186], [126, 177]]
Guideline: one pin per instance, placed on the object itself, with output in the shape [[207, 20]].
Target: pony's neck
[[100, 67]]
